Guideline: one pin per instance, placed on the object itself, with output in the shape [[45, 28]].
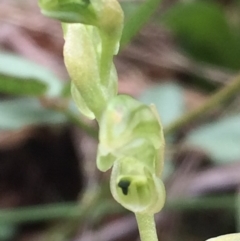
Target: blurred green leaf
[[202, 203], [220, 139], [22, 112], [66, 90], [18, 86], [168, 99], [204, 32], [39, 213], [7, 231], [129, 7], [238, 212], [138, 19], [26, 77], [72, 210]]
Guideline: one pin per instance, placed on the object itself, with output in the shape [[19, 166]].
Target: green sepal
[[73, 11]]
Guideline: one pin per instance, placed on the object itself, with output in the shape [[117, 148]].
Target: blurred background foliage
[[181, 55]]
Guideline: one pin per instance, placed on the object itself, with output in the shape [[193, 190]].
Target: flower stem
[[147, 227]]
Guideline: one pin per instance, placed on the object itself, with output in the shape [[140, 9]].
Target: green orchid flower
[[131, 135], [131, 140], [227, 237]]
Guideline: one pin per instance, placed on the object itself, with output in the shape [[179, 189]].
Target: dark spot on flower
[[85, 2], [124, 184]]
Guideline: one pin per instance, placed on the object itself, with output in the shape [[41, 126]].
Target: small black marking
[[124, 184], [85, 2]]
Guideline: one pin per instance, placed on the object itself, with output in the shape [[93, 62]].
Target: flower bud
[[81, 55], [92, 31]]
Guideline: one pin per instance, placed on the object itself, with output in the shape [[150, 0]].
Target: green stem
[[147, 227], [220, 96]]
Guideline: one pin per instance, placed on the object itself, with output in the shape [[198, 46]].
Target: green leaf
[[129, 7], [22, 112], [237, 215], [168, 99], [7, 231], [138, 19], [220, 139], [21, 76], [204, 32], [31, 214], [66, 90], [18, 86]]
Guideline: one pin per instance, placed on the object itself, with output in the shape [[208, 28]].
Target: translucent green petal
[[128, 127]]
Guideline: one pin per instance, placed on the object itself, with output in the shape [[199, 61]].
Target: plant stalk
[[220, 96], [147, 227]]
